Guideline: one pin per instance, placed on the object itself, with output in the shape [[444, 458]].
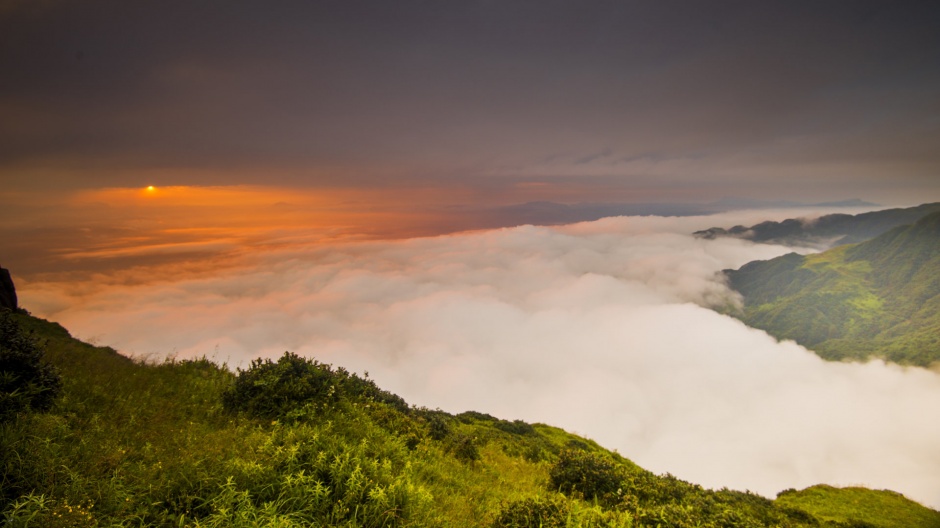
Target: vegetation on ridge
[[879, 298], [26, 382], [294, 442], [825, 231]]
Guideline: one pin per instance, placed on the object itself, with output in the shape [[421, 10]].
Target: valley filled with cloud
[[604, 328]]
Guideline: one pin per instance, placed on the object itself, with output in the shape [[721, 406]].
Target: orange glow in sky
[[95, 229]]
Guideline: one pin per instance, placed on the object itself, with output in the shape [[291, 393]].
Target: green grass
[[883, 509], [135, 444]]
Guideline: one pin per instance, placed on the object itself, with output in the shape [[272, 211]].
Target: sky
[[476, 102], [485, 204]]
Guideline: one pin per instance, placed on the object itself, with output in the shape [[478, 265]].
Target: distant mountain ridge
[[555, 213], [879, 298], [826, 231], [731, 201]]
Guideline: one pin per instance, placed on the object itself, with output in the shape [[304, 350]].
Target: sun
[[151, 188]]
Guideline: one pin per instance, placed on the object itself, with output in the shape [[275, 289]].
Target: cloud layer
[[600, 328], [671, 100]]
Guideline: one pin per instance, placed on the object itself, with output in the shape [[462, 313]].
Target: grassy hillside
[[858, 506], [298, 443], [879, 298]]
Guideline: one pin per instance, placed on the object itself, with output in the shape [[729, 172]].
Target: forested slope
[[879, 298], [826, 231]]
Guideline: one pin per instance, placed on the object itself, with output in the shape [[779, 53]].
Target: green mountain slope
[[298, 443], [825, 231], [879, 298], [858, 506]]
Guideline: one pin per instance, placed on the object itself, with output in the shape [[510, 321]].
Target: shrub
[[852, 523], [270, 389], [650, 489], [517, 427], [438, 426], [464, 448], [26, 381], [590, 474], [533, 513], [471, 416]]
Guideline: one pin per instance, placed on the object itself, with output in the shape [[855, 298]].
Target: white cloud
[[595, 327]]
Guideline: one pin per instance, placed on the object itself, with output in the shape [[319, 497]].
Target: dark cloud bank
[[801, 99]]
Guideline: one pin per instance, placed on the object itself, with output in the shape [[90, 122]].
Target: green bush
[[589, 474], [464, 447], [853, 523], [517, 427], [26, 381], [469, 417], [270, 389], [438, 426], [533, 513]]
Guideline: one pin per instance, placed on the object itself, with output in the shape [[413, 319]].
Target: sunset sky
[[352, 180], [395, 119], [480, 101]]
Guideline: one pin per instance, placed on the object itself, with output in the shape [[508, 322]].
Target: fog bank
[[601, 328]]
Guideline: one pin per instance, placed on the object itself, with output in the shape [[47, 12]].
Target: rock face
[[7, 291]]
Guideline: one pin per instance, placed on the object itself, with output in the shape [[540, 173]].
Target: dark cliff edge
[[7, 290]]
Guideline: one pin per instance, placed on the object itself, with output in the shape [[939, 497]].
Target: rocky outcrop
[[7, 291]]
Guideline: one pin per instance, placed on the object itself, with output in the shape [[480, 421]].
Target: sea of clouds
[[602, 328]]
